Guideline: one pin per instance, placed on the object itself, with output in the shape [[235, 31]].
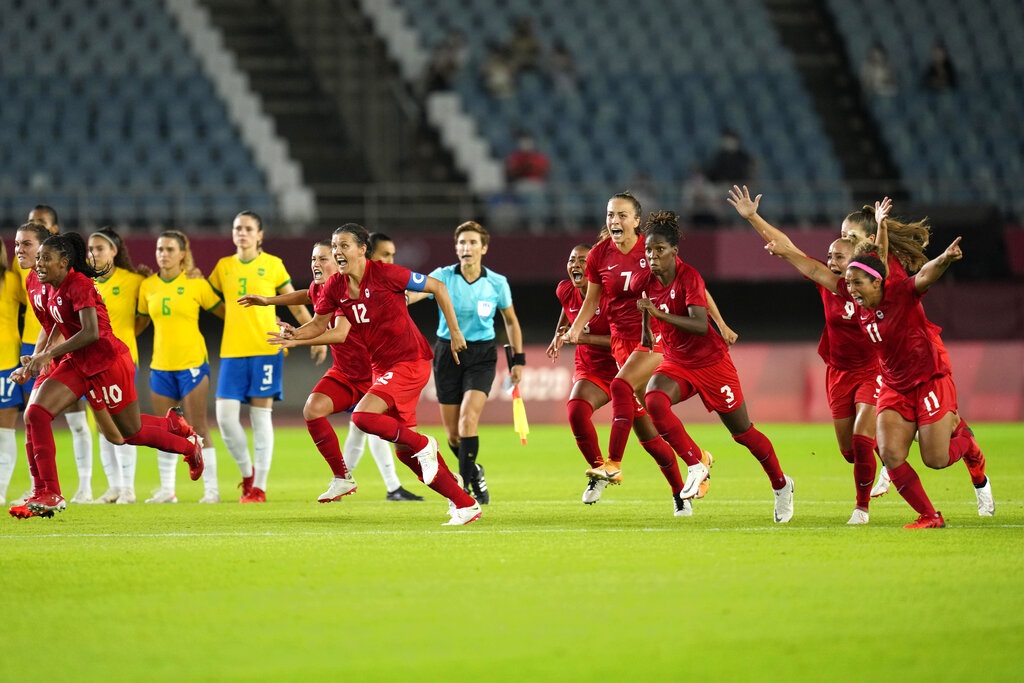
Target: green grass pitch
[[542, 588]]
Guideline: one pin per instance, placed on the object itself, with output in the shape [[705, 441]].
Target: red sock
[[758, 444], [666, 459], [909, 486], [623, 409], [864, 468], [582, 426], [37, 483], [388, 428], [160, 438], [326, 441], [155, 421], [848, 453], [44, 451], [444, 483], [963, 445], [659, 407]]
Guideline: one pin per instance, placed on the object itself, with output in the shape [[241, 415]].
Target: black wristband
[[519, 359]]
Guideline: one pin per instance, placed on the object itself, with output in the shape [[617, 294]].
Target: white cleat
[[463, 516], [428, 460], [81, 496], [858, 517], [594, 490], [210, 498], [109, 496], [784, 502], [695, 476], [684, 508], [881, 486], [127, 497], [22, 499], [161, 496], [986, 504], [337, 489]]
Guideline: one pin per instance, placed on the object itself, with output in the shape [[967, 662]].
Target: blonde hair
[[188, 264], [906, 240]]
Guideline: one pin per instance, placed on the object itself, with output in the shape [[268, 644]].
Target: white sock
[[81, 442], [128, 455], [210, 470], [166, 463], [381, 452], [8, 456], [229, 421], [111, 463], [262, 443], [355, 444]]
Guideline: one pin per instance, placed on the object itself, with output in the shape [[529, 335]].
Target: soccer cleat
[[928, 522], [784, 501], [195, 458], [594, 489], [246, 485], [709, 462], [428, 460], [479, 486], [210, 497], [82, 496], [179, 427], [256, 495], [858, 517], [695, 476], [610, 471], [127, 496], [402, 494], [881, 486], [109, 496], [162, 496], [684, 508], [463, 516], [337, 489], [46, 502], [22, 512], [986, 504]]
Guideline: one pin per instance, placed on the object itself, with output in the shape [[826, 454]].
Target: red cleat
[[22, 512], [179, 426], [46, 502], [255, 495], [195, 458], [928, 522], [246, 486]]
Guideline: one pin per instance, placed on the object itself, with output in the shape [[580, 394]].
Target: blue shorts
[[26, 388], [10, 392], [177, 384], [251, 377]]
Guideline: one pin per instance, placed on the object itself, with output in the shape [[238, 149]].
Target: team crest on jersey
[[261, 272], [878, 314], [643, 263], [672, 294], [181, 290], [59, 302], [366, 292]]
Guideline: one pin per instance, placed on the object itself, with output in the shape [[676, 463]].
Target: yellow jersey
[[173, 307], [11, 294], [32, 327], [245, 329], [120, 294]]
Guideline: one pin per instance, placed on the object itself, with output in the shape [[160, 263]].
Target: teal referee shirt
[[475, 304]]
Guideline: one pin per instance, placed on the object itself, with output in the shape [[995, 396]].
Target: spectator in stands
[[940, 74], [701, 202], [497, 72], [526, 170], [876, 74], [446, 62], [730, 165], [523, 47], [561, 68]]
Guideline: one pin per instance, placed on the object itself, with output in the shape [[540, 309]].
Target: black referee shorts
[[476, 369]]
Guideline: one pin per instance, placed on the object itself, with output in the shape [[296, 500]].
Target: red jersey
[[38, 295], [63, 304], [681, 347], [378, 314], [352, 358], [590, 360], [842, 341], [900, 334], [617, 274]]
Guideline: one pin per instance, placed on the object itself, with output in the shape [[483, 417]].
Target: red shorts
[[400, 387], [718, 385], [111, 390], [344, 393], [847, 388], [924, 404], [621, 348], [603, 385]]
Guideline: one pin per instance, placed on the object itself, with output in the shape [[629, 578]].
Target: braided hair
[[71, 246]]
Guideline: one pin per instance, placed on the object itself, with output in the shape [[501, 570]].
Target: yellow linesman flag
[[519, 422]]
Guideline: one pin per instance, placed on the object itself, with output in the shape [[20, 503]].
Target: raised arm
[[808, 267], [933, 270], [747, 208], [882, 209]]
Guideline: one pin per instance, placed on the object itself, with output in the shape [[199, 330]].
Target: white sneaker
[[161, 496], [109, 496], [428, 460], [881, 486], [695, 476], [463, 516], [986, 504], [127, 497], [684, 508], [20, 500], [858, 517], [82, 496], [337, 489], [210, 497], [594, 489], [784, 501]]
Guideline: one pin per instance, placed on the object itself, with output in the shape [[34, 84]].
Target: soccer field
[[542, 588]]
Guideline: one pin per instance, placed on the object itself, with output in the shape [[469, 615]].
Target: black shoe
[[402, 494], [479, 486]]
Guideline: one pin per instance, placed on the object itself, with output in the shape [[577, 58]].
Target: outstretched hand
[[252, 300], [882, 210], [741, 201], [953, 252]]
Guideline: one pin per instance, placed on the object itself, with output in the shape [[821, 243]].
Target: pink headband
[[867, 269]]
